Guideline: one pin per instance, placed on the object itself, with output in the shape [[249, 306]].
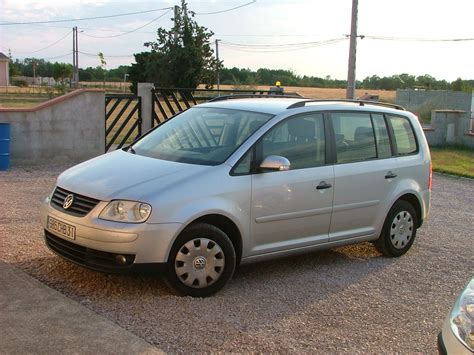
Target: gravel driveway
[[347, 299]]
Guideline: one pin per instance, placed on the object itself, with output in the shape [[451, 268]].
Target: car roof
[[267, 105], [276, 106]]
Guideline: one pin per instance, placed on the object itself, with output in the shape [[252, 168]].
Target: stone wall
[[68, 128], [422, 102], [450, 127]]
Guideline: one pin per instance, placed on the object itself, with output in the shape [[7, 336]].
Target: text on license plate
[[61, 228]]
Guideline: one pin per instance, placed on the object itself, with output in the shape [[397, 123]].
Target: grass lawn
[[453, 160]]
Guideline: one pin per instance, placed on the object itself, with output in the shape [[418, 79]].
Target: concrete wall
[[39, 80], [68, 128], [423, 102], [450, 127]]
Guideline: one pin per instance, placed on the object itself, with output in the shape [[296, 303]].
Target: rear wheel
[[399, 230], [201, 261]]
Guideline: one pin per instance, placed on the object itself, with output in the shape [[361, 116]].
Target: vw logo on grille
[[68, 201]]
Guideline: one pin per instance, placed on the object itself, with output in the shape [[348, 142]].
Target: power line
[[131, 31], [58, 56], [265, 35], [272, 48], [110, 30], [227, 10], [84, 18], [385, 38], [107, 56], [280, 44], [41, 49]]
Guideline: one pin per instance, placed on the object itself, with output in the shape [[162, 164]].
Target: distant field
[[22, 100], [31, 96], [14, 96], [321, 93]]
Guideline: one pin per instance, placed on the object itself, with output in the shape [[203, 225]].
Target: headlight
[[126, 211], [462, 316]]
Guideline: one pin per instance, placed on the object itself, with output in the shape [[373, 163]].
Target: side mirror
[[275, 163]]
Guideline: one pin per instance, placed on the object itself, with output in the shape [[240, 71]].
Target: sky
[[266, 33]]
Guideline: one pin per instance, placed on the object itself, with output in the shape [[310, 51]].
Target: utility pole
[[73, 79], [218, 66], [33, 64], [125, 81], [176, 9], [75, 58], [351, 79], [76, 79]]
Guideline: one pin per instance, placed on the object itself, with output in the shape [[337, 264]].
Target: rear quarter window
[[404, 137]]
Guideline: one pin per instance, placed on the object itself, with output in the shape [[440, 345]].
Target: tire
[[399, 230], [201, 261]]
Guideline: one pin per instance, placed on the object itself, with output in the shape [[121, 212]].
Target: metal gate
[[122, 120], [167, 102]]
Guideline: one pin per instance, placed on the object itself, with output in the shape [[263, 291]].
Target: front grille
[[81, 205], [91, 258]]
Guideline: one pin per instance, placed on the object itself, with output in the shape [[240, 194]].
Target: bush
[[20, 83]]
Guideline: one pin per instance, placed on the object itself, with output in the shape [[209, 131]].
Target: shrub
[[20, 83]]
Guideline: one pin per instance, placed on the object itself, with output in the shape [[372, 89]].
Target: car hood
[[122, 175]]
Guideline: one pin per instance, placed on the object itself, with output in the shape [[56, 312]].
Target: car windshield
[[201, 135]]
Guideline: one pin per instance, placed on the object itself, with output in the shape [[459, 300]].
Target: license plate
[[61, 228]]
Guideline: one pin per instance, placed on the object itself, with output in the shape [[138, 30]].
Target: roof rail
[[360, 102], [250, 96]]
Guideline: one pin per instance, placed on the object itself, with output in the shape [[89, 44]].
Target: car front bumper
[[98, 243]]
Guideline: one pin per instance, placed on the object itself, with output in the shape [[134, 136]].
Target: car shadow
[[327, 270], [259, 297]]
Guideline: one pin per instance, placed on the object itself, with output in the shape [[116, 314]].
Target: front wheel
[[399, 230], [201, 262]]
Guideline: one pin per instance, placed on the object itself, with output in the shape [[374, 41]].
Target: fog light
[[122, 260]]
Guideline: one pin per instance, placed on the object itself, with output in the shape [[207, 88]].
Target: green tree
[[61, 71], [180, 57], [457, 85]]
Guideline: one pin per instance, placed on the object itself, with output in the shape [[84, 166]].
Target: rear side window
[[355, 139], [381, 136], [405, 141]]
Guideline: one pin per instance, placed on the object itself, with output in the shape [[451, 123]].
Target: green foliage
[[170, 64], [92, 74], [263, 76], [180, 57], [462, 85], [61, 71], [20, 83], [14, 69], [405, 81], [138, 71]]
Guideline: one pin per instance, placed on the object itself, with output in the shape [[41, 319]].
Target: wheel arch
[[413, 200], [227, 226]]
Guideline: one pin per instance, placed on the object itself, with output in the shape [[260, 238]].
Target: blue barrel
[[4, 146]]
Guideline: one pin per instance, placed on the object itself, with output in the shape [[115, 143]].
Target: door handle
[[323, 185], [390, 175]]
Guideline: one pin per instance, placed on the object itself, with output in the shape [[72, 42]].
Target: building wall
[[68, 128], [450, 127], [422, 102], [4, 75]]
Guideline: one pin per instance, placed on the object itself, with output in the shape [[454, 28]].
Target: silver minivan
[[239, 180]]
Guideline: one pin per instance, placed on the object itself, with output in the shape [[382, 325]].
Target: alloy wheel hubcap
[[401, 229], [199, 263]]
